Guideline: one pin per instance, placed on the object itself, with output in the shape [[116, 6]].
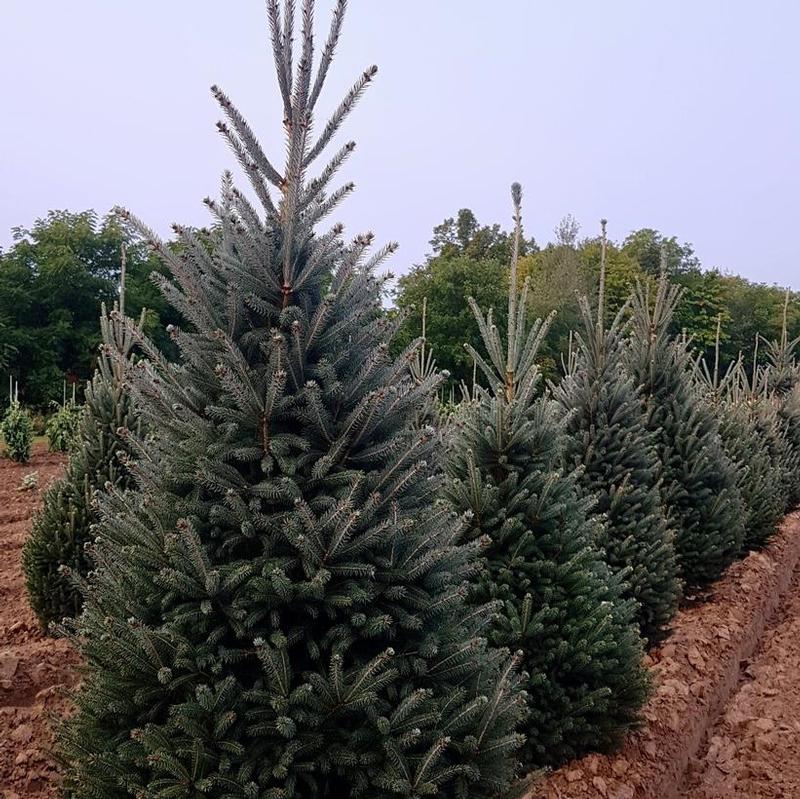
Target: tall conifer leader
[[562, 606], [279, 612], [699, 480], [609, 443]]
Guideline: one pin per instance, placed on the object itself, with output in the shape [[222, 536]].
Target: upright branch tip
[[601, 293], [511, 344]]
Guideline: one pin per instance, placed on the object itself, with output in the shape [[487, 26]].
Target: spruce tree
[[772, 427], [746, 430], [782, 373], [278, 612], [562, 607], [699, 481], [789, 412], [782, 377], [55, 555], [608, 442]]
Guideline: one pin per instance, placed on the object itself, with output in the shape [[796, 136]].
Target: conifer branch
[[512, 345], [716, 352], [300, 101], [248, 138], [341, 113], [328, 52], [288, 45], [277, 52], [601, 293]]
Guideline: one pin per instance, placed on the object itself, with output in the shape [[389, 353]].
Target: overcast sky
[[680, 115]]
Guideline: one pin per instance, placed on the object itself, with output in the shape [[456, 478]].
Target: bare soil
[[753, 752], [34, 669]]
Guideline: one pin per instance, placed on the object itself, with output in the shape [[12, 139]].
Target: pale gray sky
[[680, 115]]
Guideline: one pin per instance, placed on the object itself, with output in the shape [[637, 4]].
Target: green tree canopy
[[447, 281], [53, 280]]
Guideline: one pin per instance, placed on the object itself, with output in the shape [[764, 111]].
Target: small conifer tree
[[608, 442], [55, 554], [782, 372], [699, 481], [789, 412], [279, 611], [16, 430], [62, 427], [561, 605]]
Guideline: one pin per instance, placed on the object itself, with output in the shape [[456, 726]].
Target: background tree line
[[56, 274], [53, 280], [471, 259]]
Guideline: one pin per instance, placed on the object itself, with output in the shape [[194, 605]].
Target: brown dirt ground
[[33, 668], [753, 752]]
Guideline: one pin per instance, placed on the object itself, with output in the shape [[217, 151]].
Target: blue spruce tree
[[562, 607], [617, 462], [750, 431], [782, 378], [279, 611], [55, 557], [700, 495]]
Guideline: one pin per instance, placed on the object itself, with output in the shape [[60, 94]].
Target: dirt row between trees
[[725, 708], [33, 669], [753, 752]]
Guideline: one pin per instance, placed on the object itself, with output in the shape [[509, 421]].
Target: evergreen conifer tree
[[789, 412], [279, 611], [746, 429], [55, 554], [782, 373], [782, 377], [771, 424], [16, 431], [699, 481], [608, 442], [562, 607]]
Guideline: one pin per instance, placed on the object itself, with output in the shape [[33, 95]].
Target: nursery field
[[281, 564], [746, 729]]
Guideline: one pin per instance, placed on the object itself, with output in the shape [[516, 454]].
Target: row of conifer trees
[[289, 577]]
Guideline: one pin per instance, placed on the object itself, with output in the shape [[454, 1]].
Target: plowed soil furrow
[[33, 668], [753, 752]]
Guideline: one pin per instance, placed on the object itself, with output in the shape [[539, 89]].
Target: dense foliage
[[750, 432], [783, 386], [561, 605], [16, 430], [278, 611], [53, 280], [291, 570], [56, 274], [702, 501], [613, 452], [62, 426], [55, 557]]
